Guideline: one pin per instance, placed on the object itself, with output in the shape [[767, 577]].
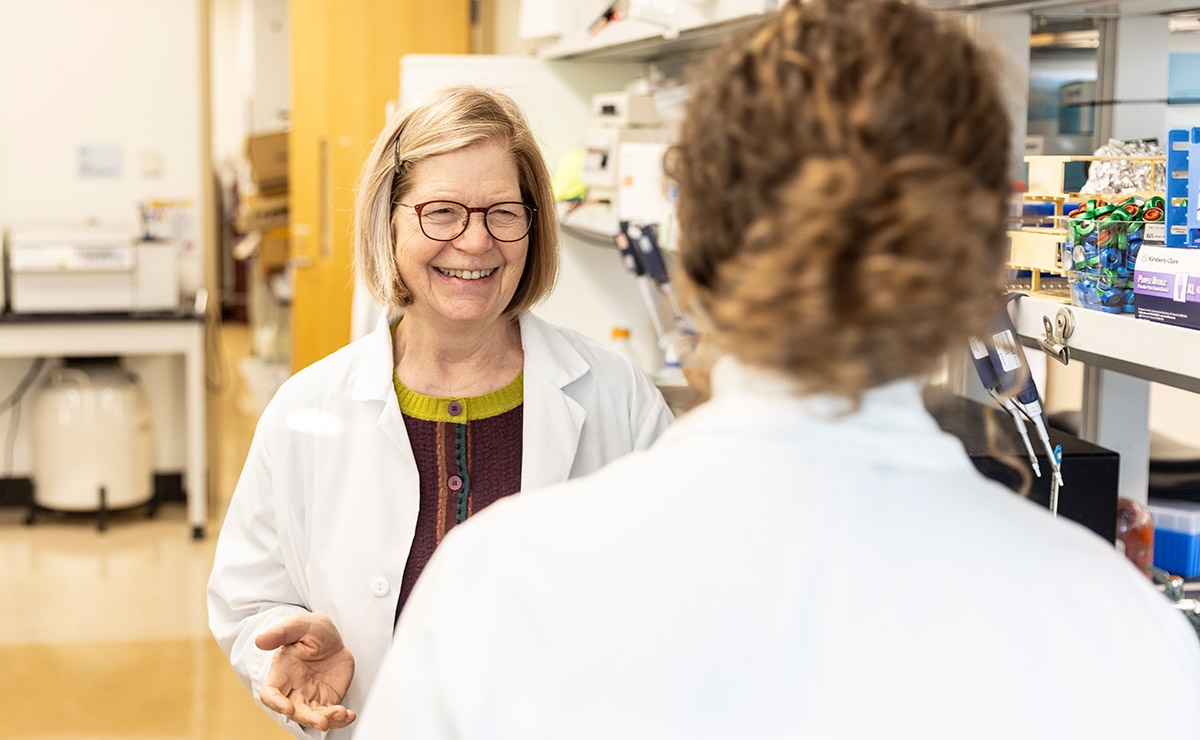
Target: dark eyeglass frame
[[467, 221]]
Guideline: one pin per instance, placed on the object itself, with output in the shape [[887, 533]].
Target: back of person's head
[[843, 183], [438, 122]]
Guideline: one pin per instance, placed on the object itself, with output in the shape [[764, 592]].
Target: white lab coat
[[771, 570], [325, 509]]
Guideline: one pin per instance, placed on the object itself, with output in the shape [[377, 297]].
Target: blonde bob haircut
[[440, 121]]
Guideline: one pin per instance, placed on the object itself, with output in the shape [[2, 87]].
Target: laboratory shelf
[[1145, 349], [632, 40], [1121, 357]]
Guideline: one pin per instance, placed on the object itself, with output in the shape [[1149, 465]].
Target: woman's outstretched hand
[[311, 672]]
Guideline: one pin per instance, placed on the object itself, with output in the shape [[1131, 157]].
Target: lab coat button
[[380, 587], [454, 483], [455, 408]]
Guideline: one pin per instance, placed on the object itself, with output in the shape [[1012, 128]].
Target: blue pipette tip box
[[1176, 536]]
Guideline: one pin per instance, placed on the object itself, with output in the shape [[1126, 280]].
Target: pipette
[[991, 383], [1056, 481], [1008, 360]]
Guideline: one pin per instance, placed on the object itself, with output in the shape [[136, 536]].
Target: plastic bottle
[[671, 373], [620, 344], [1135, 533]]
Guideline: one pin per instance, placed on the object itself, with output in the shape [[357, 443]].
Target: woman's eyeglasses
[[445, 220]]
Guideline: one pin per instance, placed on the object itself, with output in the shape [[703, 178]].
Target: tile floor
[[104, 635]]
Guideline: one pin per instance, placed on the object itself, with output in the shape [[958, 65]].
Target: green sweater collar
[[430, 408]]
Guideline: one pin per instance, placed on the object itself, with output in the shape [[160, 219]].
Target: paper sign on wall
[[99, 161]]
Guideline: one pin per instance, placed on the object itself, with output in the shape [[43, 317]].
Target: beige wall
[[124, 74]]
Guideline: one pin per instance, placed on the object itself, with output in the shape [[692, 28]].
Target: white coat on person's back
[[325, 509], [772, 569]]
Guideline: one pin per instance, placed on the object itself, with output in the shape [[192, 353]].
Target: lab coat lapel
[[552, 420], [373, 382]]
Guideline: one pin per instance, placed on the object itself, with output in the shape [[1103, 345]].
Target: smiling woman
[[460, 276], [459, 398]]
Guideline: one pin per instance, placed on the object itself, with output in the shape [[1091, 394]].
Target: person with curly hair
[[806, 555]]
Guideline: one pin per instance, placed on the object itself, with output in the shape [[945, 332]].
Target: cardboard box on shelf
[[273, 251], [259, 212], [268, 157]]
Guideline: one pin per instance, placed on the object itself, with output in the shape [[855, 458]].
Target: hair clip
[[399, 165]]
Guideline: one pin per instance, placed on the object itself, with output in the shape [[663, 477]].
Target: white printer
[[89, 268]]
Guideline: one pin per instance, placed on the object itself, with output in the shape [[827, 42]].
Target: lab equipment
[[641, 256], [625, 109], [1174, 590], [87, 269], [1014, 380], [1183, 187], [1176, 536], [1092, 469], [1102, 247], [643, 239], [618, 119], [642, 196], [991, 383], [92, 441]]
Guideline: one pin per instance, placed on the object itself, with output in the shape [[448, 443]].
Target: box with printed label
[[1166, 286]]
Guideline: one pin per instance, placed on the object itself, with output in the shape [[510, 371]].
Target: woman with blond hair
[[364, 461], [806, 555]]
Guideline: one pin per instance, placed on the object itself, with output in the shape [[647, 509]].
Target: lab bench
[[172, 334]]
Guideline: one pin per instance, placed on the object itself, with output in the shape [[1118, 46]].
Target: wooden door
[[345, 68]]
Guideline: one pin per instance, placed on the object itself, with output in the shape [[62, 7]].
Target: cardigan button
[[455, 408], [454, 483]]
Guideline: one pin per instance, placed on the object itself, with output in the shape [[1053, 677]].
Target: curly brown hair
[[843, 184]]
